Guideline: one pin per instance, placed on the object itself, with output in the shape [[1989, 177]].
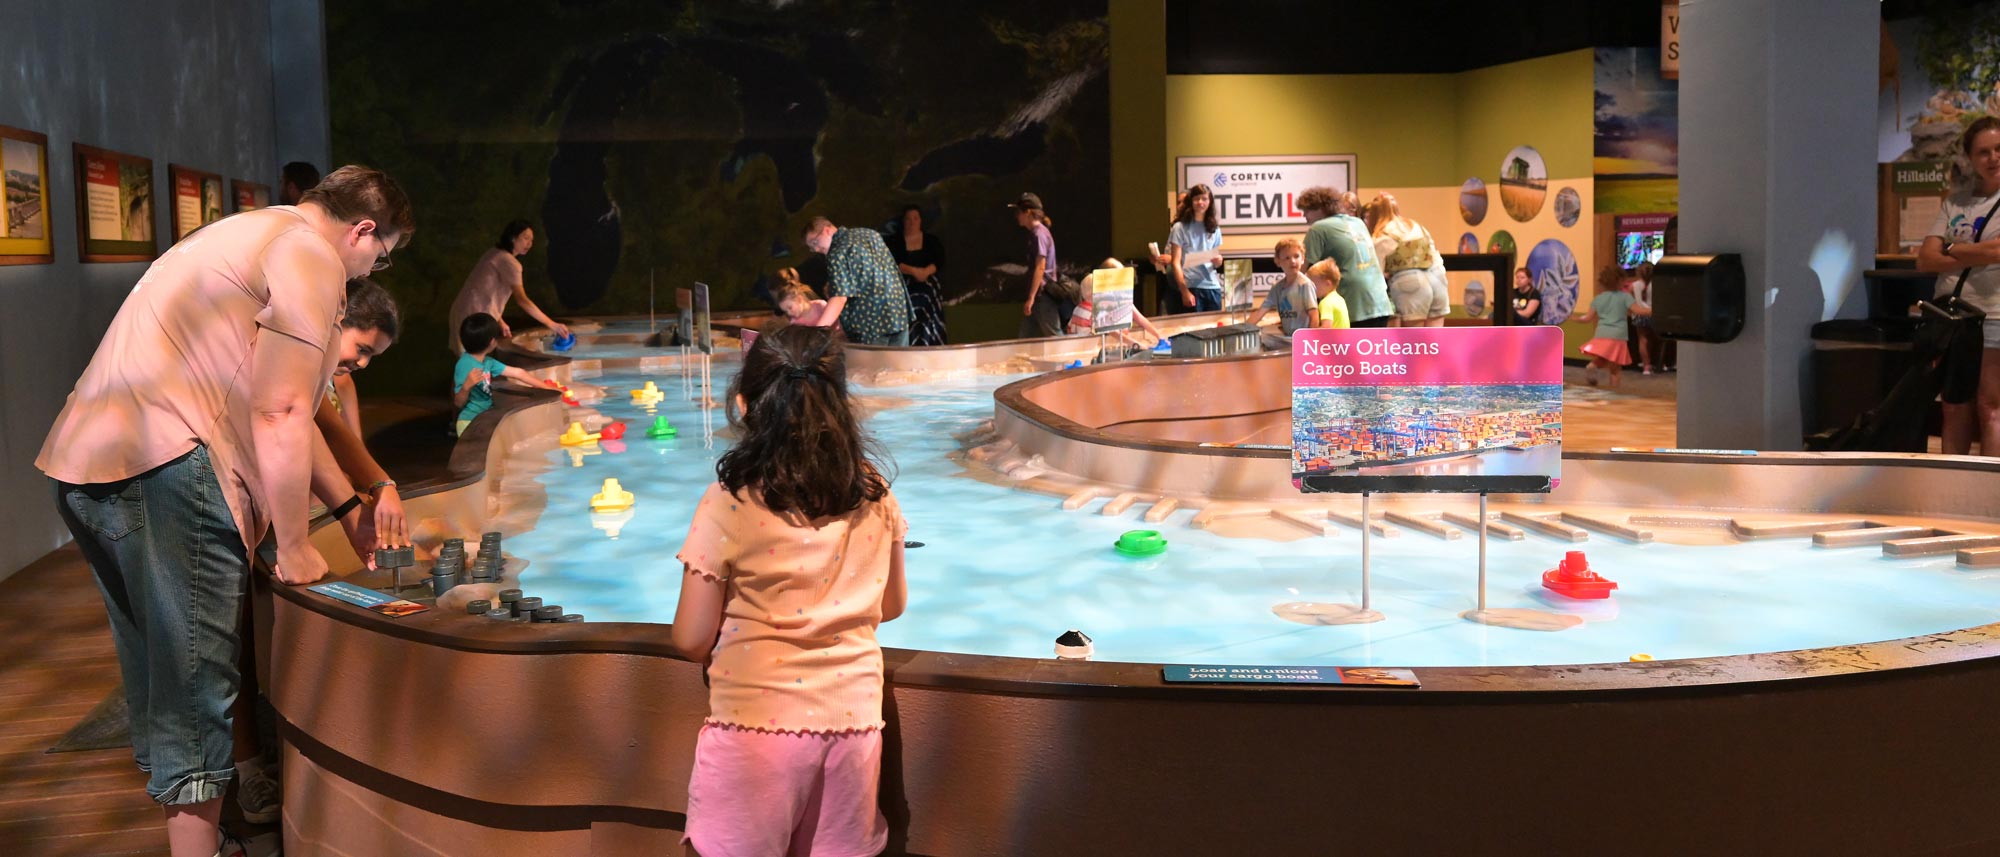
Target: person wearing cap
[[1051, 300], [861, 269]]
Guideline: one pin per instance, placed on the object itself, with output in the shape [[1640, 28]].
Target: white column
[[1777, 162]]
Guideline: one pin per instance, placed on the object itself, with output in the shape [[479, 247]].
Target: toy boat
[[1141, 543], [648, 395], [576, 436], [1573, 578], [612, 431], [613, 498], [662, 428]]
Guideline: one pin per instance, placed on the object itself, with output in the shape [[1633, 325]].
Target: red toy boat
[[1574, 578], [612, 431]]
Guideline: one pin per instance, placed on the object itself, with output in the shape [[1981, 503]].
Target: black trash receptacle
[[1855, 363]]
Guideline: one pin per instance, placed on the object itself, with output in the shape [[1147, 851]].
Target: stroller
[[1949, 338]]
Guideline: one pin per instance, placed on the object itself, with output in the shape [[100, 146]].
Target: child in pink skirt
[[794, 557], [1610, 309]]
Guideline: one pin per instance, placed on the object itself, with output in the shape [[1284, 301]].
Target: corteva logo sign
[[1260, 193], [1225, 178]]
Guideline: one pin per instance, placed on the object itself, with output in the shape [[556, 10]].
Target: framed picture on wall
[[25, 238], [1255, 194], [250, 196], [114, 206], [197, 199]]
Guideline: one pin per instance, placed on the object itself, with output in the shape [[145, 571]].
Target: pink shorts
[[763, 794]]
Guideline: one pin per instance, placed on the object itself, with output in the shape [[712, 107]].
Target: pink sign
[[1424, 356], [1464, 409]]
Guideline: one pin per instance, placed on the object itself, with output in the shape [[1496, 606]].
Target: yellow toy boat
[[648, 395], [576, 436], [613, 498]]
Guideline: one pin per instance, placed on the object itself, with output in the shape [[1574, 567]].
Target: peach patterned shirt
[[797, 650]]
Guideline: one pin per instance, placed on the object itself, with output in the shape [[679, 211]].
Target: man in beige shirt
[[190, 434]]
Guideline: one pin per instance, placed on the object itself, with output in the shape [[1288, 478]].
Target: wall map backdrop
[[695, 140]]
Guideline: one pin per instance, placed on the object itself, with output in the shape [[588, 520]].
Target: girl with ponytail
[[794, 558]]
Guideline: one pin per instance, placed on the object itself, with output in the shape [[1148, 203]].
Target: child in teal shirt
[[1613, 304], [472, 378]]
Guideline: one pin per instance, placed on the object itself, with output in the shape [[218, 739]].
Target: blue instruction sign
[[368, 598], [1231, 674]]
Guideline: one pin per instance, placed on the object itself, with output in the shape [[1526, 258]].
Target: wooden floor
[[56, 663], [56, 660]]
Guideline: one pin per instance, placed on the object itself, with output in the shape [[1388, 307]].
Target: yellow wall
[[1546, 102], [1138, 121], [1400, 127]]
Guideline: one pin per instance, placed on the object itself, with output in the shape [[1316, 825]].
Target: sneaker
[[232, 846], [258, 796], [1647, 371]]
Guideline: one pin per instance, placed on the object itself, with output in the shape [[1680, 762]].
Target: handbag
[[1952, 331]]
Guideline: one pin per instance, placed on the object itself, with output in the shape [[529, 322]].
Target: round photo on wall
[[1569, 206], [1468, 243], [1475, 300], [1524, 183], [1472, 201], [1502, 242], [1553, 268]]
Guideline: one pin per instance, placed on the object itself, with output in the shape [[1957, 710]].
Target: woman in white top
[[1962, 239], [496, 279]]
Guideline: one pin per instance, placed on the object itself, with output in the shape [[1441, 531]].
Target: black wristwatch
[[1947, 248], [346, 507]]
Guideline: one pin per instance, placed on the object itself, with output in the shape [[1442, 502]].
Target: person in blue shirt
[[472, 378], [1195, 245]]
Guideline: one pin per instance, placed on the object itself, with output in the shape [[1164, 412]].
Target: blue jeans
[[1207, 300], [172, 568]]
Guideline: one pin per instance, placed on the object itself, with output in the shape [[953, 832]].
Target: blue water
[[1003, 572], [586, 350]]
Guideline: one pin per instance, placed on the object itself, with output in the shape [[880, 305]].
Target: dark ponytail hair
[[513, 230], [802, 449]]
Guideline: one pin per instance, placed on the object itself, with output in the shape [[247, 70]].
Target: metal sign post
[[1482, 551], [1366, 523], [707, 407]]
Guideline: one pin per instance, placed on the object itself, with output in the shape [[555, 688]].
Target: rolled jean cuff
[[195, 788]]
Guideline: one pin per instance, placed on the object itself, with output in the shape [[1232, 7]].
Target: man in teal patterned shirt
[[859, 268]]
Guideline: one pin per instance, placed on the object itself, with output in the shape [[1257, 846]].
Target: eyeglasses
[[382, 262]]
